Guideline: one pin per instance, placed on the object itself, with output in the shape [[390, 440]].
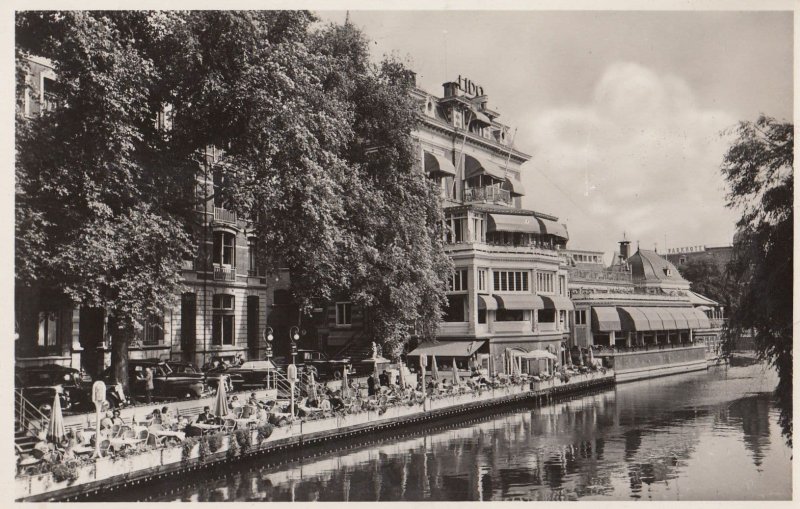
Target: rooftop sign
[[469, 87]]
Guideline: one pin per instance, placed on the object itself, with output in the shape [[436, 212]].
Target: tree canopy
[[759, 170], [316, 153]]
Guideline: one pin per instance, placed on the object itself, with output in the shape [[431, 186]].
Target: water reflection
[[649, 440]]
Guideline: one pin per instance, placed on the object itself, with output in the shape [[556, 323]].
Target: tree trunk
[[122, 333]]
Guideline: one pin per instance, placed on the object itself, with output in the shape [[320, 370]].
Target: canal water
[[711, 435]]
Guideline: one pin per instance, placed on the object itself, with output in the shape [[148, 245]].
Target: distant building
[[720, 255]]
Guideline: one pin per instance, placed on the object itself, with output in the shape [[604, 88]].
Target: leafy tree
[[759, 170], [94, 219], [707, 278], [316, 154]]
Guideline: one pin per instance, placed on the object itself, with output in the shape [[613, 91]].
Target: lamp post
[[294, 336], [268, 337]]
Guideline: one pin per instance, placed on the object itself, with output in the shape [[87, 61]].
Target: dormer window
[[668, 272]]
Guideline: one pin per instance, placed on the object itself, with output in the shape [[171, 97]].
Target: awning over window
[[632, 319], [521, 301], [691, 320], [516, 187], [605, 319], [681, 322], [557, 302], [535, 354], [438, 164], [487, 302], [666, 318], [702, 319], [448, 348], [653, 317], [509, 223], [475, 166], [553, 228], [481, 117]]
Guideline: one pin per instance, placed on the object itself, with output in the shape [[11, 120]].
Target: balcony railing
[[224, 273], [223, 215], [491, 194]]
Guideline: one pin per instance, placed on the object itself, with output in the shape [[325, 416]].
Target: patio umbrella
[[456, 380], [402, 375], [312, 386], [422, 362], [55, 428], [434, 369], [345, 385], [220, 408]]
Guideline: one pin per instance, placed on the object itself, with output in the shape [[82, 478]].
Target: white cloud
[[641, 157]]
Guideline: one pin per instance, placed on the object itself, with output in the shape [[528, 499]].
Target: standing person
[[383, 378], [371, 385], [148, 380]]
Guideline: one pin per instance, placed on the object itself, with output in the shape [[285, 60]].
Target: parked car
[[324, 368], [211, 379], [40, 384], [166, 383], [253, 373]]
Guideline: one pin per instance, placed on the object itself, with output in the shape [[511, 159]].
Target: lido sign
[[469, 87]]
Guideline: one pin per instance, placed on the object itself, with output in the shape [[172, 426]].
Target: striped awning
[[487, 302], [605, 319], [553, 228], [439, 165], [632, 319], [509, 223], [522, 301], [680, 320], [476, 166], [666, 318], [691, 319], [654, 318], [557, 302], [702, 319], [516, 187]]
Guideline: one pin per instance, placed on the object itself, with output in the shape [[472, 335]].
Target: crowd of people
[[163, 426]]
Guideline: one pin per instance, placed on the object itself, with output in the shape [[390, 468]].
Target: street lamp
[[268, 336], [294, 336]]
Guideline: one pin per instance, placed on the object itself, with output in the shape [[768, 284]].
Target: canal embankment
[[141, 467]]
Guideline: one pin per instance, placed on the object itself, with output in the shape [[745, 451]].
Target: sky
[[623, 113]]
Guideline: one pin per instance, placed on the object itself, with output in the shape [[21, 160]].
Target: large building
[[641, 302], [508, 293]]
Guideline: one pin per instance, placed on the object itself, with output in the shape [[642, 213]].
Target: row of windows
[[461, 228], [508, 281], [458, 281], [545, 282], [456, 311], [584, 258]]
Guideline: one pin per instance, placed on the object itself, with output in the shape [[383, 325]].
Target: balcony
[[222, 273], [222, 215], [491, 194]]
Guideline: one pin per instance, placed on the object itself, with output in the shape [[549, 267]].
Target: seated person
[[155, 417], [207, 417], [192, 431], [106, 422], [336, 401], [116, 419], [181, 423], [41, 448], [262, 416], [253, 399], [166, 417], [235, 403]]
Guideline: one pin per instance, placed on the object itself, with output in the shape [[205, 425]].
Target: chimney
[[451, 89], [624, 250]]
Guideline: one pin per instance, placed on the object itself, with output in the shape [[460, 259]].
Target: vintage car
[[211, 379], [253, 373], [40, 384], [323, 367], [166, 383]]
